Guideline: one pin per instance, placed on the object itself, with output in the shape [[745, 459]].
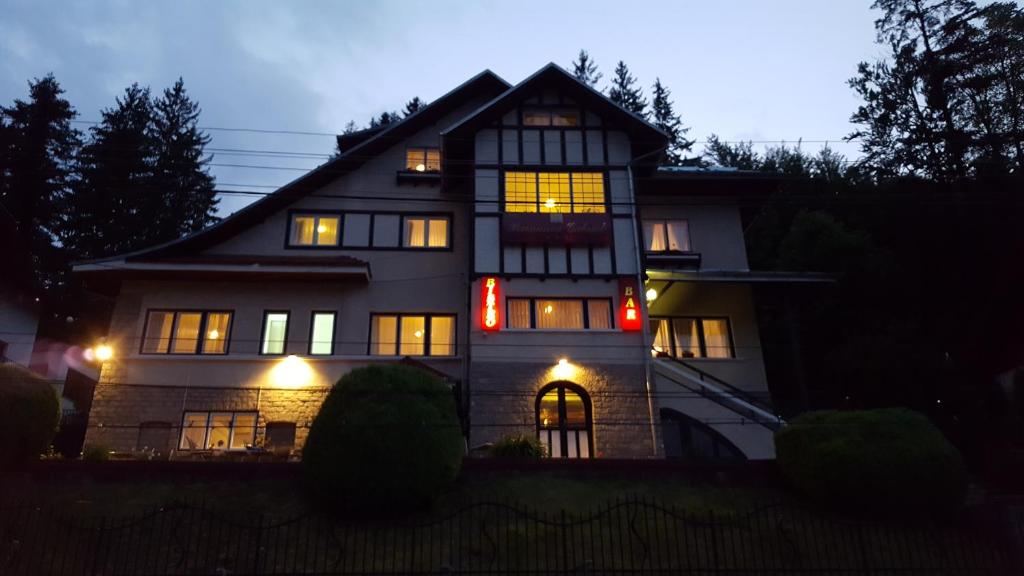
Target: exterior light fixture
[[563, 370], [652, 294], [291, 372], [563, 361], [421, 168], [102, 352]]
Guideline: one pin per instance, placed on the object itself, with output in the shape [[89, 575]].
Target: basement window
[[217, 430]]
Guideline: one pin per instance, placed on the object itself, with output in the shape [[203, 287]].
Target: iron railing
[[625, 536]]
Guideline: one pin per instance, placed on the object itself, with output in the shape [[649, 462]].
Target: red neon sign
[[629, 306], [491, 319]]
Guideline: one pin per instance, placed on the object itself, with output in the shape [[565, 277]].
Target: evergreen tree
[[116, 207], [350, 127], [185, 187], [37, 165], [740, 155], [384, 119], [585, 69], [413, 106], [665, 117], [625, 92]]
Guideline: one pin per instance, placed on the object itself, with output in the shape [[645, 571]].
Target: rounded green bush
[[387, 438], [518, 446], [29, 416], [878, 462]]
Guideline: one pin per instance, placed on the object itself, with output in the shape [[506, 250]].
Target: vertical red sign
[[490, 319], [629, 305]]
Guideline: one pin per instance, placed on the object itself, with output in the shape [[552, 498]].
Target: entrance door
[[564, 421]]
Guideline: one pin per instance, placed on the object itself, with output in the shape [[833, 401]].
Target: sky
[[742, 69]]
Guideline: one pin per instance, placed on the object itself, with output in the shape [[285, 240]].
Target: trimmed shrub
[[518, 446], [95, 453], [387, 438], [878, 462], [29, 416]]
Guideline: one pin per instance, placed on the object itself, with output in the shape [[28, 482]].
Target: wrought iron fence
[[629, 536]]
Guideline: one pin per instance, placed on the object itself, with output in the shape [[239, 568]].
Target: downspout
[[642, 297]]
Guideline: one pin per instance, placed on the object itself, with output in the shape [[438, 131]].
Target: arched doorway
[[564, 421], [688, 439]]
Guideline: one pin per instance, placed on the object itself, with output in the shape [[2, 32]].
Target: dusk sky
[[744, 70]]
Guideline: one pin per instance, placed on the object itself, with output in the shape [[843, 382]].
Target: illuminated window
[[423, 159], [425, 232], [186, 332], [275, 332], [559, 313], [412, 335], [692, 337], [546, 117], [314, 230], [565, 421], [555, 192], [217, 430], [667, 235], [321, 333]]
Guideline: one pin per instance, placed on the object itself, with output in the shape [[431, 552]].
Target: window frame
[[666, 221], [701, 337], [206, 433], [563, 427], [200, 340], [427, 334], [317, 213], [586, 313], [426, 155], [537, 171], [550, 111], [312, 325], [427, 217], [263, 332]]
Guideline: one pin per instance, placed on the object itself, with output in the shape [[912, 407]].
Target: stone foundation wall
[[503, 401], [118, 411]]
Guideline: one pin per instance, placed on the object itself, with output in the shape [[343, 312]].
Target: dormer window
[[547, 117], [313, 230], [423, 159]]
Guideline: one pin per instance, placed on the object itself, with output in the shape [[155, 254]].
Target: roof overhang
[[741, 276], [709, 184], [254, 268]]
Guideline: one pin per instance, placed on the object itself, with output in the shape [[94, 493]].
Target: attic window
[[423, 159], [542, 117], [314, 230]]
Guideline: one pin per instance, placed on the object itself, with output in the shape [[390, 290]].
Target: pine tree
[[116, 208], [585, 69], [37, 166], [384, 119], [625, 92], [666, 118], [179, 167], [740, 155], [413, 106]]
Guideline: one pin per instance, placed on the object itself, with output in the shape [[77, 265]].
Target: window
[[559, 314], [541, 117], [412, 335], [564, 421], [217, 430], [275, 332], [423, 159], [692, 337], [321, 333], [280, 437], [425, 232], [689, 439], [314, 230], [667, 235], [186, 332], [555, 192]]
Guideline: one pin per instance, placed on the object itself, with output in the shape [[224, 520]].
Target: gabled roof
[[646, 138], [485, 84]]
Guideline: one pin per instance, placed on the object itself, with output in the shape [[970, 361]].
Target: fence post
[[713, 527], [565, 545], [256, 552]]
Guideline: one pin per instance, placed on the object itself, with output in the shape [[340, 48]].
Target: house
[[520, 240], [19, 305]]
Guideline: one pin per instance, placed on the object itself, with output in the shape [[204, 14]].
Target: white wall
[[18, 322]]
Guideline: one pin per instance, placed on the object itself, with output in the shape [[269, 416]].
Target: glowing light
[[103, 352], [214, 334], [321, 229], [652, 294], [418, 333], [548, 309], [629, 307], [564, 369], [291, 372], [421, 168], [549, 203], [491, 319]]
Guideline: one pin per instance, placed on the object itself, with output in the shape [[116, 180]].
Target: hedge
[[879, 462], [387, 438], [29, 415]]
